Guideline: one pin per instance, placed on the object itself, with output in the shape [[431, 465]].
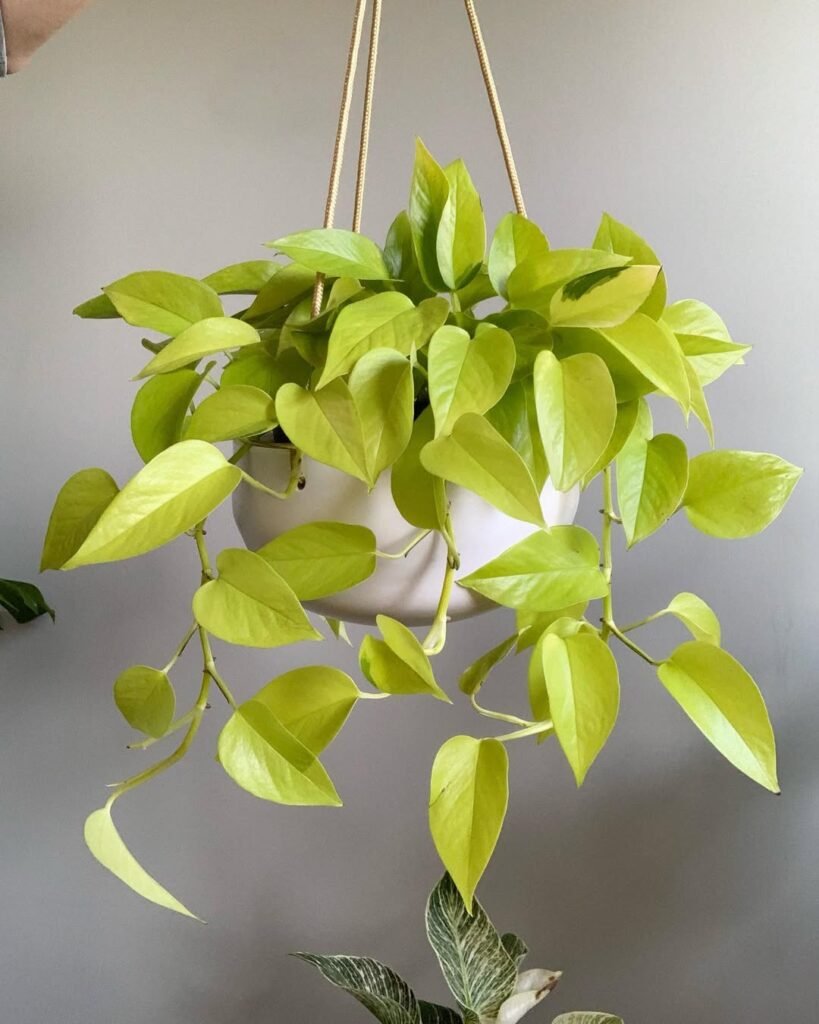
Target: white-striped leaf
[[388, 998], [477, 968], [432, 1013]]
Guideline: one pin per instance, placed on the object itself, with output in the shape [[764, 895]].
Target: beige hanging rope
[[341, 138], [494, 102], [366, 118]]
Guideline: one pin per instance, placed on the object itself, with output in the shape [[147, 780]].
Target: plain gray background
[[181, 135]]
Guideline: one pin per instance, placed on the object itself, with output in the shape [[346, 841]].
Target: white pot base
[[408, 588]]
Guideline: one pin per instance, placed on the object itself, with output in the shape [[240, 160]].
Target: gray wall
[[181, 135]]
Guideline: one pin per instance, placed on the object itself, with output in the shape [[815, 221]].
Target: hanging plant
[[410, 433]]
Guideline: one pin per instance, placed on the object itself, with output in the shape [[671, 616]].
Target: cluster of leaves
[[445, 367], [23, 601], [480, 966]]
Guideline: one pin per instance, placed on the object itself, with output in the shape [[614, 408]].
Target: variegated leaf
[[477, 968], [586, 1017], [515, 947], [388, 998], [432, 1013], [531, 988]]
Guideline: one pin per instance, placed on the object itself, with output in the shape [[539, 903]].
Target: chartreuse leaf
[[473, 678], [338, 629], [651, 480], [623, 426], [80, 503], [419, 496], [398, 663], [544, 572], [145, 699], [613, 236], [735, 494], [235, 410], [266, 759], [286, 286], [431, 1013], [704, 338], [532, 625], [725, 704], [469, 793], [461, 240], [376, 986], [318, 559], [389, 320], [382, 388], [326, 425], [250, 604], [313, 703], [516, 239], [697, 617], [399, 255], [478, 970], [531, 989], [256, 367], [576, 413], [584, 695], [105, 843], [587, 1017], [23, 601], [477, 457], [98, 308], [246, 278], [534, 282], [604, 298], [699, 403], [216, 334], [515, 419], [467, 375], [536, 686], [174, 492], [159, 411], [654, 352], [164, 302], [429, 193], [335, 252]]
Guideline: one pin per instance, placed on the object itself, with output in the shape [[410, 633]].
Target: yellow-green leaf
[[604, 298], [697, 617], [246, 278], [250, 604], [469, 793], [576, 413], [326, 425], [651, 480], [419, 496], [704, 338], [263, 757], [534, 282], [544, 572], [318, 559], [467, 375], [654, 352], [735, 494], [584, 695], [313, 703], [81, 501], [335, 252], [398, 663], [614, 236], [473, 678], [159, 411], [289, 284], [145, 699], [725, 704], [105, 843], [429, 192], [174, 492], [516, 239], [477, 457], [461, 240], [164, 302], [623, 426], [235, 410], [382, 388], [216, 334]]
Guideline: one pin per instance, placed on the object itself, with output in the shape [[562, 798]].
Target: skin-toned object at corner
[[30, 23]]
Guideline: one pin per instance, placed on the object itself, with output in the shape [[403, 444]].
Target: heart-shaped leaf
[[146, 700], [164, 302], [461, 240], [313, 703], [318, 559], [81, 501], [250, 604], [246, 278], [603, 298], [429, 192], [335, 252], [216, 334], [176, 490], [159, 411], [398, 663], [651, 479], [382, 388], [419, 496], [516, 239], [235, 410], [613, 236]]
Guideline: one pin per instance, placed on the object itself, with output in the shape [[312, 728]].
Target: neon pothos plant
[[444, 367], [480, 966]]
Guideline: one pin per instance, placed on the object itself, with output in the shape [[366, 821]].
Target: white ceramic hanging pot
[[406, 588]]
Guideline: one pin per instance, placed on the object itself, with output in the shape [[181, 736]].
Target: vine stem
[[608, 518], [500, 716], [180, 650], [615, 631], [209, 662], [538, 729], [180, 723], [197, 712], [405, 551], [363, 695]]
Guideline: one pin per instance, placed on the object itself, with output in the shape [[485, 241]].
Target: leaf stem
[[405, 551], [295, 483], [172, 728], [363, 695], [436, 638], [180, 649], [196, 720], [608, 518], [537, 729], [615, 631], [240, 453], [499, 716], [641, 622]]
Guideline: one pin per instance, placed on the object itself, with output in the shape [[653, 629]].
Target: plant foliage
[[443, 363]]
